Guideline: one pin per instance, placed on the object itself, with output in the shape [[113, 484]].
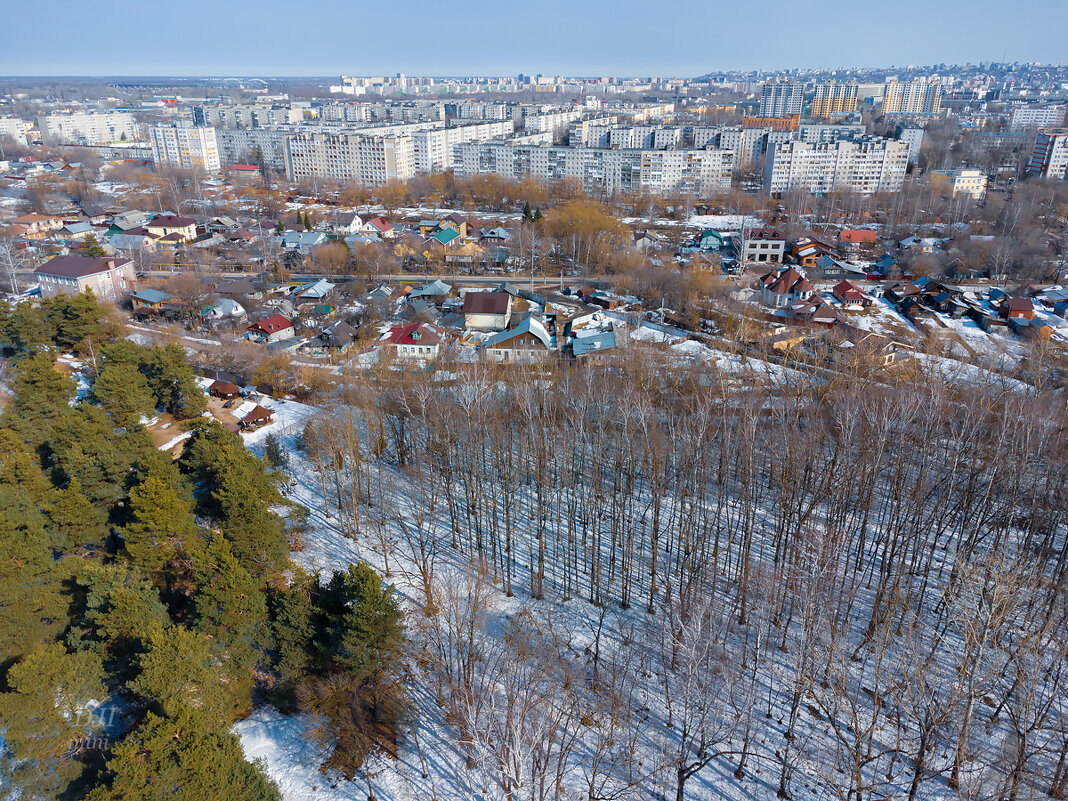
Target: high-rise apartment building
[[362, 158], [1049, 158], [833, 98], [1047, 117], [782, 99], [433, 148], [185, 146], [864, 164], [88, 128], [912, 97]]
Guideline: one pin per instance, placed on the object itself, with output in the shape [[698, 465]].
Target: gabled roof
[[859, 236], [435, 288], [318, 289], [380, 223], [272, 325], [487, 302], [528, 326], [445, 235], [593, 342], [413, 334]]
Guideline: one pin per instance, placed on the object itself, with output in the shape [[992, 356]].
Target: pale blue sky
[[575, 37]]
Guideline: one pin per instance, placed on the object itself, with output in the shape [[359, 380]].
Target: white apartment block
[[433, 149], [352, 156], [88, 128], [864, 165], [662, 172], [747, 144], [246, 116], [1048, 117], [13, 128], [959, 182], [266, 146], [583, 132], [555, 122], [782, 99], [186, 147], [913, 137], [912, 97], [1049, 158], [811, 132]]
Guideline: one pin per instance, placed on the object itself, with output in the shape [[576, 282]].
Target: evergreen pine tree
[[124, 393], [29, 329], [172, 381], [93, 248], [291, 614], [186, 757], [77, 321], [527, 214], [181, 670], [73, 521], [161, 528], [537, 215], [44, 715]]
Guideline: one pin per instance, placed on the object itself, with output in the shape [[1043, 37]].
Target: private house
[[128, 220], [785, 287], [224, 310], [763, 245], [589, 342], [413, 341], [857, 239], [133, 239], [377, 225], [435, 292], [318, 290], [495, 235], [75, 231], [338, 336], [851, 295], [239, 288], [807, 250], [149, 300], [108, 279], [224, 389], [1030, 329], [814, 312], [527, 343], [645, 241], [273, 329], [179, 229], [710, 240], [36, 226], [348, 223], [487, 311], [303, 241], [1017, 308]]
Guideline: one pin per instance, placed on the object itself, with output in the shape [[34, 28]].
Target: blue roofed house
[[149, 300], [303, 240], [316, 290], [591, 342]]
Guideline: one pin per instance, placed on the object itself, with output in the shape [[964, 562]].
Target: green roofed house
[[711, 240]]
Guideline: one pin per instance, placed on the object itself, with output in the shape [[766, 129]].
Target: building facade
[[108, 279], [782, 99], [186, 147], [1049, 158], [912, 97], [865, 165], [959, 182], [88, 128], [365, 159], [833, 98]]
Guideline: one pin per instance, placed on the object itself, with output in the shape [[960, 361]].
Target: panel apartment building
[[185, 146], [88, 128], [662, 172], [865, 165], [363, 158], [433, 149], [912, 97], [1049, 158], [782, 99], [833, 98]]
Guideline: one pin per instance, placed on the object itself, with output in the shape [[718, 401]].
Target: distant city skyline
[[628, 38]]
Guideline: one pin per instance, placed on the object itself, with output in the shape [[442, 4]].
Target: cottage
[[413, 341], [487, 311], [807, 250], [850, 295], [182, 229], [378, 225], [273, 329], [257, 418], [763, 245], [149, 300], [347, 223], [855, 239], [527, 343], [224, 389]]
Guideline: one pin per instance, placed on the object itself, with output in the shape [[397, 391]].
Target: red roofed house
[[413, 341], [850, 294], [785, 287], [108, 279], [378, 225], [857, 238], [487, 311], [273, 329], [37, 226]]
